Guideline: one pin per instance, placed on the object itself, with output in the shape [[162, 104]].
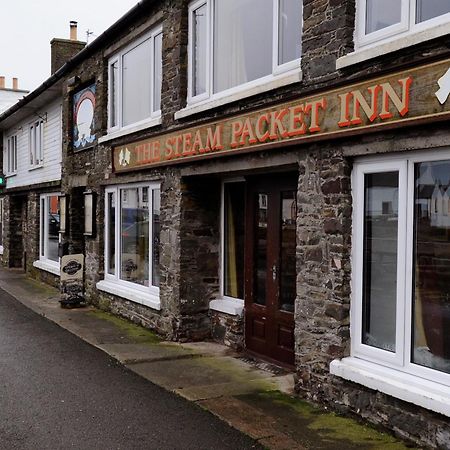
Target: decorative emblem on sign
[[124, 157], [72, 267], [129, 266], [444, 85]]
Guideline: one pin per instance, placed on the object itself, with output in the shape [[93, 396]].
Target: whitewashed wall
[[51, 167]]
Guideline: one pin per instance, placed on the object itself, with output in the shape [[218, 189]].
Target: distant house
[[9, 96], [31, 134]]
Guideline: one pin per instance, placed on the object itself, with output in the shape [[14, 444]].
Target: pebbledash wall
[[190, 224]]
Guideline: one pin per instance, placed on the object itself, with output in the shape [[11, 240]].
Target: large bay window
[[400, 317], [135, 76], [237, 44], [132, 228], [379, 20]]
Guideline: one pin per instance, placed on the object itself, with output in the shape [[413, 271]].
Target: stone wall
[[199, 259], [228, 329], [323, 265]]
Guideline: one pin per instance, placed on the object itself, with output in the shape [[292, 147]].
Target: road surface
[[58, 392]]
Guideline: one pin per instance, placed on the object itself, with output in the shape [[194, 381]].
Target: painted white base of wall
[[413, 389], [48, 267], [232, 306], [143, 298]]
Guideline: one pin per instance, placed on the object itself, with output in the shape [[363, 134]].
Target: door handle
[[274, 272]]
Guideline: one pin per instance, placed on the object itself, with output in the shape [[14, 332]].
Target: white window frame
[[392, 373], [225, 303], [36, 143], [277, 69], [359, 349], [44, 262], [146, 295], [406, 27], [11, 154], [155, 116]]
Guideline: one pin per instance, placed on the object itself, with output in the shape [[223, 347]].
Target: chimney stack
[[65, 49], [73, 30], [15, 84], [2, 82]]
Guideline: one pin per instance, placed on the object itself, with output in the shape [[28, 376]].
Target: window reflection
[[134, 235], [260, 248], [380, 260], [431, 300], [155, 238], [53, 227], [111, 233], [382, 14], [287, 251], [428, 9]]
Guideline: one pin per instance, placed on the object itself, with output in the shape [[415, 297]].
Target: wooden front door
[[270, 269]]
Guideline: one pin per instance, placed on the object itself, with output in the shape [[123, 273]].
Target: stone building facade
[[284, 216]]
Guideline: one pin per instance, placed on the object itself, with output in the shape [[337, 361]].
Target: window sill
[[232, 306], [40, 166], [276, 82], [129, 130], [136, 296], [427, 394], [48, 267], [9, 175], [395, 43]]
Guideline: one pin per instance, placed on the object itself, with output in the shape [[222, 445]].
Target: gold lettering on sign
[[382, 94]]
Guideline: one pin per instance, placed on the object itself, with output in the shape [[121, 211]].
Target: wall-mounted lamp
[[89, 213], [63, 214]]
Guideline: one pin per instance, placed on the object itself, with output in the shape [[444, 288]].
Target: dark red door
[[270, 270]]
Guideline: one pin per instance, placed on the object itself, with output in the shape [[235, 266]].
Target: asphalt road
[[57, 392]]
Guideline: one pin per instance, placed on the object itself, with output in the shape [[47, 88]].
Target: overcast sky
[[28, 26]]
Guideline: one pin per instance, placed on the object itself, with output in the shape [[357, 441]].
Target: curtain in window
[[243, 41]]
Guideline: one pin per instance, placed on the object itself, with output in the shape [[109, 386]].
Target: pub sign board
[[83, 132], [408, 97], [72, 267]]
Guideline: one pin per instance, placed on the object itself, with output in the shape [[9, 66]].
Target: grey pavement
[[58, 392], [130, 389]]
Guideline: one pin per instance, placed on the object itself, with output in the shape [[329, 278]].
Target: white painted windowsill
[[37, 166], [48, 267], [232, 306], [131, 129], [278, 81], [425, 393], [396, 43], [136, 296]]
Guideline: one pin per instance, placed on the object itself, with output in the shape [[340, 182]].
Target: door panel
[[270, 270]]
